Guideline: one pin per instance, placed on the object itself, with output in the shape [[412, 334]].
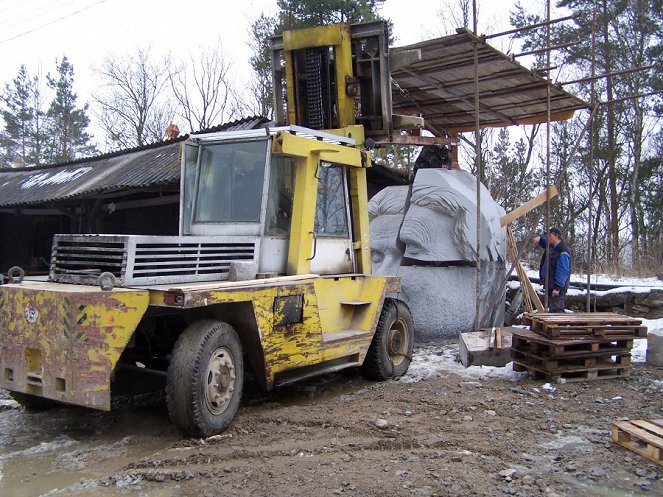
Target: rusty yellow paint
[[77, 332], [300, 147], [355, 131], [359, 204], [303, 216], [339, 317], [350, 303], [308, 154]]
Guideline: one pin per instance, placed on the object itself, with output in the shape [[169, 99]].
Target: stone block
[[474, 349], [242, 270], [655, 347]]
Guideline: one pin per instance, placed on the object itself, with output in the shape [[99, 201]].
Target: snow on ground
[[439, 360], [606, 279]]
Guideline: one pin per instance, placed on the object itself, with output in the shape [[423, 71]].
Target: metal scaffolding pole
[[547, 220], [477, 138], [531, 26], [590, 245]]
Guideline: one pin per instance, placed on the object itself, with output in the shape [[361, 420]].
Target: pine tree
[[627, 36], [18, 115], [305, 13], [68, 138]]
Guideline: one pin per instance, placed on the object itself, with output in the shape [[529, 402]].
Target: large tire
[[205, 379], [32, 402], [390, 353]]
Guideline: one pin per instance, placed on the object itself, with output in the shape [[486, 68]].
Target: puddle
[[65, 450], [596, 490], [566, 441]]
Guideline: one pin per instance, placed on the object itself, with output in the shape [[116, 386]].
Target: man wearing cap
[[559, 275]]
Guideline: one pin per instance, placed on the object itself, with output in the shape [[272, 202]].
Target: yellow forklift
[[271, 266]]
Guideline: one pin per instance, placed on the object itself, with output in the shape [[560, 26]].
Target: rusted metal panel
[[339, 316], [62, 342]]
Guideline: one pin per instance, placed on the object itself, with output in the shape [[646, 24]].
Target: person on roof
[[559, 275]]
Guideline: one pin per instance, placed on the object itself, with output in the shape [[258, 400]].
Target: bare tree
[[454, 14], [202, 89], [133, 108]]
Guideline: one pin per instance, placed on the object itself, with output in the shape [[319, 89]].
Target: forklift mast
[[332, 77]]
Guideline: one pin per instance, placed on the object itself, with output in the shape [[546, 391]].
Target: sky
[[37, 32]]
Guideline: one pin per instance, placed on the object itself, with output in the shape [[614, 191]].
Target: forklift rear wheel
[[32, 402], [205, 378], [390, 353]]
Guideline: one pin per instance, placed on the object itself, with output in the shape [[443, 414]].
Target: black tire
[[390, 353], [197, 405], [32, 402]]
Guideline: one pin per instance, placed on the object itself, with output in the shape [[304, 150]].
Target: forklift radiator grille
[[147, 260]]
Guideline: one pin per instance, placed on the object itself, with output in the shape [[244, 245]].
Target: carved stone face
[[439, 227], [386, 214], [441, 222], [385, 253]]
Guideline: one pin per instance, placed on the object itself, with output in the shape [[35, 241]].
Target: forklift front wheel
[[205, 378], [390, 353]]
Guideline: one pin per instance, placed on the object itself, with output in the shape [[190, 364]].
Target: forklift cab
[[245, 184]]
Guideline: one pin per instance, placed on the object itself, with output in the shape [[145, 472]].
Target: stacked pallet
[[576, 347]]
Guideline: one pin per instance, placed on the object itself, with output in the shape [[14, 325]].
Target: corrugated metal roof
[[440, 87], [152, 165]]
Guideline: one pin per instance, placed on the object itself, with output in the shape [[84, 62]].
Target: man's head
[[554, 235]]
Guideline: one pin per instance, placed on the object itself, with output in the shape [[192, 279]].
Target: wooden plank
[[588, 317], [528, 206], [571, 364], [564, 349], [572, 375], [532, 300], [650, 426], [580, 315], [623, 333]]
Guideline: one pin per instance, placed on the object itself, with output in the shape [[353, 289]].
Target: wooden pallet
[[558, 365], [642, 437], [599, 324], [530, 342], [573, 373]]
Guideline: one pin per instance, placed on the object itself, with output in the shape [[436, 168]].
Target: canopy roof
[[440, 87]]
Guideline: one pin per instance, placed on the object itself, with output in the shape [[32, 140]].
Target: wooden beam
[[528, 206], [417, 140], [532, 300]]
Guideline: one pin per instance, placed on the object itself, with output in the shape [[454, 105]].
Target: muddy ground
[[455, 435]]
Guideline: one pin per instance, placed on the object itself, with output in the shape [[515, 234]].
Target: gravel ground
[[341, 435]]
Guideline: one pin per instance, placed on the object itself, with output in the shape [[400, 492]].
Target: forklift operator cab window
[[331, 213], [331, 217], [230, 182], [280, 196]]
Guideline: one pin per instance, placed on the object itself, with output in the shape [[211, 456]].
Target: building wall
[[26, 240]]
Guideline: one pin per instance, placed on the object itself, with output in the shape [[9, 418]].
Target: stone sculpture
[[433, 248]]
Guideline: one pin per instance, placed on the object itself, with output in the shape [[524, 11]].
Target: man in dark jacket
[[559, 275]]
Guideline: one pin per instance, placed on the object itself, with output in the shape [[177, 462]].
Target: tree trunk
[[612, 156]]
